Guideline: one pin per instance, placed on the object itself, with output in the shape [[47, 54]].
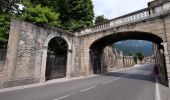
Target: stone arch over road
[[153, 28], [120, 36], [96, 48], [155, 25]]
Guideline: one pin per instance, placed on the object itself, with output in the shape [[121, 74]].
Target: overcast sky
[[113, 8]]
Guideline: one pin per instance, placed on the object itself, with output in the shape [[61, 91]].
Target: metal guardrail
[[131, 17]]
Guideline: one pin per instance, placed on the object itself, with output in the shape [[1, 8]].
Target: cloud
[[114, 8]]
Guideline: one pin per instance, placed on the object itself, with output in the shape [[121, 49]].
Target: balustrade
[[131, 17]]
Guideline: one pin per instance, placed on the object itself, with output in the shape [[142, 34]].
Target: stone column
[[68, 66], [120, 60], [11, 58], [167, 61], [44, 60]]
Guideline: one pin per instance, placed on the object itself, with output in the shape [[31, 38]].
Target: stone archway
[[44, 55], [98, 45], [56, 59]]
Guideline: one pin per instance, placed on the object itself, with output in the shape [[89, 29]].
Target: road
[[132, 84]]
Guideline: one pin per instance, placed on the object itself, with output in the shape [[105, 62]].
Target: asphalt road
[[133, 84]]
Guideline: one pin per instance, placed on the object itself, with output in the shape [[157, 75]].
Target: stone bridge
[[28, 45]]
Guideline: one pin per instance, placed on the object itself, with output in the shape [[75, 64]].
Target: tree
[[8, 9], [45, 3], [41, 15], [135, 58], [5, 20], [75, 14], [9, 6], [140, 55], [100, 19]]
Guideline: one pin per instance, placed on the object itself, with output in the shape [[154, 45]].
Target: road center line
[[117, 78], [65, 96], [87, 88], [62, 97]]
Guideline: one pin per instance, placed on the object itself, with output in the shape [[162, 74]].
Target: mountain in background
[[130, 47]]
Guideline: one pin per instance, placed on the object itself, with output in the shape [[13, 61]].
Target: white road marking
[[62, 97], [87, 88], [65, 96], [94, 87], [117, 78], [110, 81], [157, 91]]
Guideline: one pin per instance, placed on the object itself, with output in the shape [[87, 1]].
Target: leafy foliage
[[100, 19], [41, 15], [4, 29], [8, 9], [45, 3], [57, 46], [140, 56], [75, 14], [135, 58], [9, 6]]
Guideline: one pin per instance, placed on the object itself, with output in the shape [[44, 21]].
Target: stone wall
[[2, 58], [109, 59], [1, 80], [2, 64], [128, 61], [76, 58], [157, 2], [159, 60], [25, 62]]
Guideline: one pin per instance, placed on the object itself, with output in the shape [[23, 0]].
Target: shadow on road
[[144, 73]]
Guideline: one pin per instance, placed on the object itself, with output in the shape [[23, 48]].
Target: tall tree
[[100, 19], [5, 20], [9, 6], [140, 55], [45, 3], [8, 9], [75, 14]]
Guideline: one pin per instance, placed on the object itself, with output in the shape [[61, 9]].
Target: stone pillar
[[11, 58], [167, 61], [43, 69], [68, 67], [120, 60]]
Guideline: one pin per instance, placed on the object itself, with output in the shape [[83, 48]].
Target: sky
[[114, 8]]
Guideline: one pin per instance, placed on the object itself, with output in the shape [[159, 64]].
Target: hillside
[[134, 46]]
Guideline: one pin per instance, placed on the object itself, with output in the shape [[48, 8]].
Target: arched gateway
[[27, 55]]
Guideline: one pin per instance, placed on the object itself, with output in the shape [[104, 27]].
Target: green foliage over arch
[[41, 15]]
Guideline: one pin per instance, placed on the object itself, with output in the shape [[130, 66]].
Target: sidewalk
[[164, 92]]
